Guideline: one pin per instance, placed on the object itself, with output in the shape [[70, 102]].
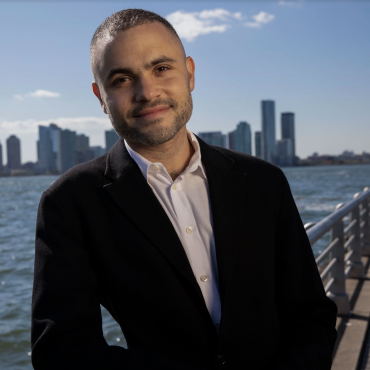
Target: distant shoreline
[[21, 173]]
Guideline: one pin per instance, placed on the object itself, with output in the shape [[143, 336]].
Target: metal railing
[[342, 258]]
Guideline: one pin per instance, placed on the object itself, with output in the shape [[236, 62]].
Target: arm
[[66, 317], [307, 315]]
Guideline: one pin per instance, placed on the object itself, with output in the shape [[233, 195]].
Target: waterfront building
[[111, 138], [1, 158], [213, 138], [241, 138], [288, 131], [257, 144], [284, 152], [13, 151], [231, 140], [66, 150], [47, 148], [82, 143], [268, 147], [83, 151], [97, 151]]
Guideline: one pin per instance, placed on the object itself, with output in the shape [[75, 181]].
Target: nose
[[146, 90]]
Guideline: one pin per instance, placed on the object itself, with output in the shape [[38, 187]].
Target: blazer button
[[221, 360]]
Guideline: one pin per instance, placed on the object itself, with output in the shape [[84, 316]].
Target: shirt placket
[[199, 255]]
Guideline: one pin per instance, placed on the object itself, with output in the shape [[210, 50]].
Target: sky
[[312, 58]]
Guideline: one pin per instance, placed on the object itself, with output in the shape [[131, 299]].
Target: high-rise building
[[231, 140], [66, 150], [13, 151], [1, 158], [241, 139], [257, 144], [47, 148], [284, 152], [111, 138], [82, 143], [213, 138], [288, 131], [268, 147], [83, 151]]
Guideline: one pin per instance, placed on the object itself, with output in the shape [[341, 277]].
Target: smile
[[152, 112]]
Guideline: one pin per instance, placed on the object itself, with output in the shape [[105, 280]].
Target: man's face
[[144, 84]]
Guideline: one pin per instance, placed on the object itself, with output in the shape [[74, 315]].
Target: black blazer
[[103, 238]]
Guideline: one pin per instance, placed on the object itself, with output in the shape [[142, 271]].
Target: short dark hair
[[126, 19]]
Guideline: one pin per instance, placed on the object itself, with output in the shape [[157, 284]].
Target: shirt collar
[[194, 163]]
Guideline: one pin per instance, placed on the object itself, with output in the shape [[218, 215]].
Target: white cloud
[[190, 25], [44, 94], [214, 13], [260, 19], [74, 124], [290, 3], [37, 94]]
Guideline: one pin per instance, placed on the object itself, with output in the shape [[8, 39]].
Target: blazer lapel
[[227, 197], [135, 197]]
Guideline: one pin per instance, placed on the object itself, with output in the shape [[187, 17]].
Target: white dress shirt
[[186, 202]]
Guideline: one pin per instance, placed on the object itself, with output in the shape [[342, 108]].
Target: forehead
[[136, 46]]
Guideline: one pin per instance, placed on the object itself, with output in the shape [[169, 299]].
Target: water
[[317, 190]]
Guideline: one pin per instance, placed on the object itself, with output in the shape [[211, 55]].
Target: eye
[[162, 69], [121, 80]]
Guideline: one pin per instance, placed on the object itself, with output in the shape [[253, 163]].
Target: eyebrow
[[160, 59]]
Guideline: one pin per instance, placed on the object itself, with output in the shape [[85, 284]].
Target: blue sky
[[311, 57]]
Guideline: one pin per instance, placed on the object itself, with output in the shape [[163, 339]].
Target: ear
[[190, 66], [96, 91]]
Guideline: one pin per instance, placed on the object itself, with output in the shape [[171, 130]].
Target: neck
[[175, 154]]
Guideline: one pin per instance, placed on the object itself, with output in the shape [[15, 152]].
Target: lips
[[152, 112]]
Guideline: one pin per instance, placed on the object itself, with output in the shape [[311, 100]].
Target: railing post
[[366, 229], [357, 270], [338, 289]]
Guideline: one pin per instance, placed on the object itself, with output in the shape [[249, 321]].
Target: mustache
[[170, 103]]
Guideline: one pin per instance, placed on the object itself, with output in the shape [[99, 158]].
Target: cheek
[[177, 88], [118, 103]]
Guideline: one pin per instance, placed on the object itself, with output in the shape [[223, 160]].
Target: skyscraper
[[288, 131], [284, 152], [268, 147], [241, 139], [47, 148], [83, 151], [13, 151], [66, 150], [111, 138], [213, 138], [257, 144], [1, 158]]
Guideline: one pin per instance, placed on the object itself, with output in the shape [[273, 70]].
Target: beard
[[160, 135]]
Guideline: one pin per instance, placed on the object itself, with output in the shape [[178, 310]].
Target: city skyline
[[269, 51]]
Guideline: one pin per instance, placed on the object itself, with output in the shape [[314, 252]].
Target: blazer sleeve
[[66, 328], [307, 315]]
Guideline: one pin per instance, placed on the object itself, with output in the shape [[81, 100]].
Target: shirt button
[[204, 278], [174, 187], [156, 168], [189, 230]]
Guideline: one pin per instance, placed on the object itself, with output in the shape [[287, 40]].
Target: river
[[317, 190]]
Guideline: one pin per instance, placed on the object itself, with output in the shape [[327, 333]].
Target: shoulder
[[80, 178], [252, 165]]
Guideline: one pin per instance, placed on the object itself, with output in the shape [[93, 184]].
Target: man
[[198, 252]]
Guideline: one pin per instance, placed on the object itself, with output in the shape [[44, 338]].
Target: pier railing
[[348, 242]]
